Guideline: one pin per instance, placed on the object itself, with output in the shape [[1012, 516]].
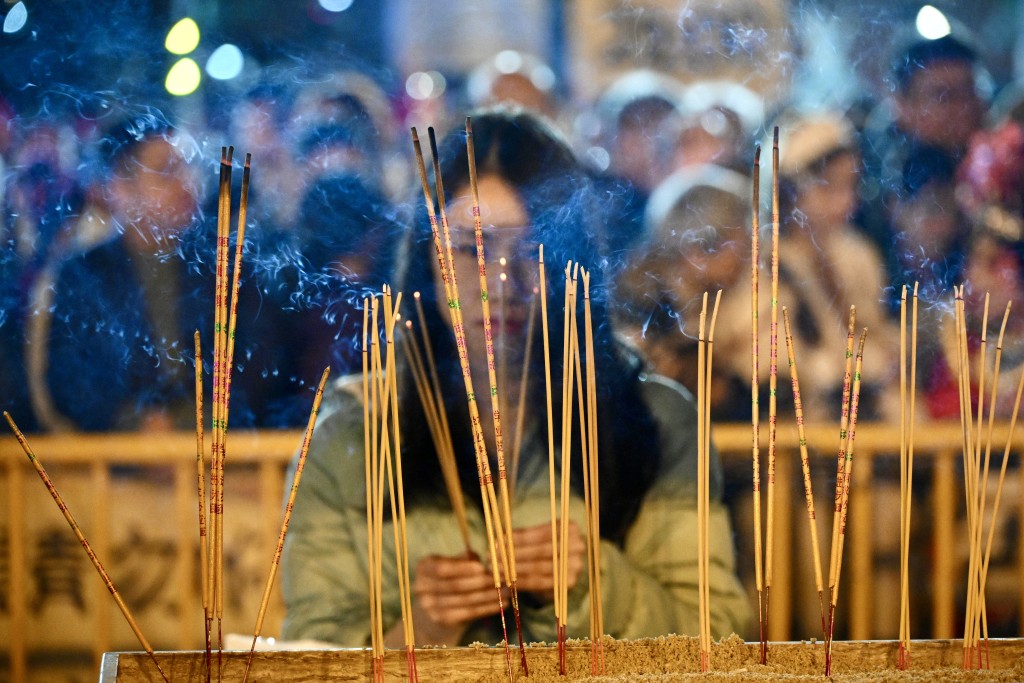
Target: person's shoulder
[[856, 248], [336, 450], [674, 410], [343, 399], [666, 398]]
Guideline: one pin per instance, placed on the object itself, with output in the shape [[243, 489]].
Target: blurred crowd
[[109, 226]]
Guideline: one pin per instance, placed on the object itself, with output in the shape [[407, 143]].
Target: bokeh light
[[335, 5], [16, 18], [183, 37], [183, 78], [931, 23], [225, 63], [424, 85]]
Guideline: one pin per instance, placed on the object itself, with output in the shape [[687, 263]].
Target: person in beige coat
[[532, 192]]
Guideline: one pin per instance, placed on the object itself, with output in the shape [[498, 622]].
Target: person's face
[[941, 106], [829, 198], [506, 235], [154, 195], [708, 267]]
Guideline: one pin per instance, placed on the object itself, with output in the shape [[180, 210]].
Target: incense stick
[[201, 491], [296, 479], [844, 423], [773, 368], [571, 275], [556, 583], [223, 215], [378, 413], [524, 376], [907, 418], [707, 476], [904, 584], [595, 485], [499, 442], [980, 621], [85, 543], [376, 629], [1002, 476], [391, 455], [701, 477], [588, 501], [806, 467], [972, 458], [847, 479], [754, 407]]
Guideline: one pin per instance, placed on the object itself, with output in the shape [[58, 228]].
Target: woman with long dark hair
[[532, 192]]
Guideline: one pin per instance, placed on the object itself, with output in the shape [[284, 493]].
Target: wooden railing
[[100, 462]]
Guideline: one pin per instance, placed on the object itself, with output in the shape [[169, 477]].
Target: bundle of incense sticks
[[585, 387], [384, 466], [211, 533], [979, 613], [908, 398], [969, 465], [428, 388], [844, 477], [569, 344], [85, 543], [976, 473], [704, 365], [494, 521]]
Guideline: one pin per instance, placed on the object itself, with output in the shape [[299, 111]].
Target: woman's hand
[[534, 571], [448, 594]]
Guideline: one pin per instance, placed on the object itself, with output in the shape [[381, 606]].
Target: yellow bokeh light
[[183, 37], [183, 78]]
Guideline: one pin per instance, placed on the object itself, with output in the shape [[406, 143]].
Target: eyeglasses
[[503, 245]]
